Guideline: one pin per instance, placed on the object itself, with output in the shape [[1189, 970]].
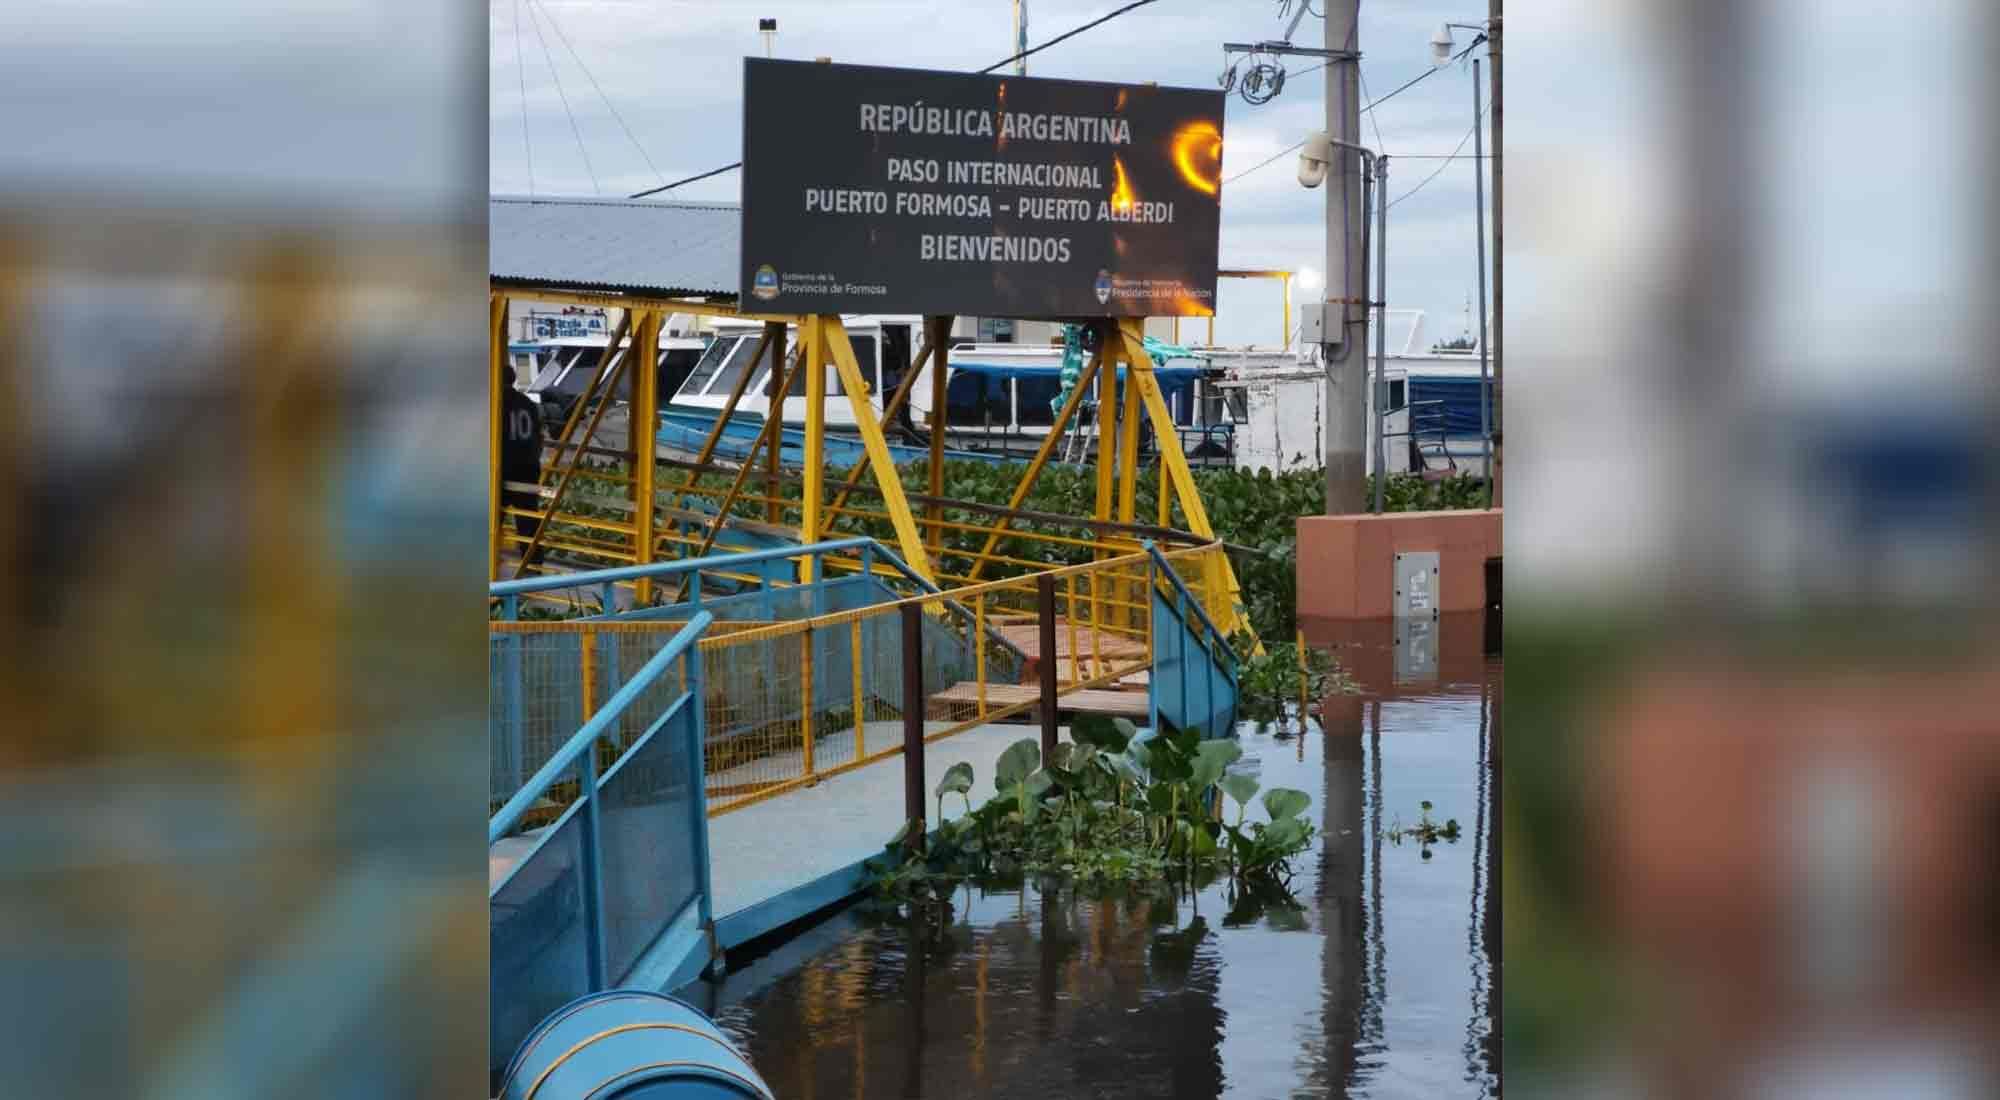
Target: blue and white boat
[[1000, 399]]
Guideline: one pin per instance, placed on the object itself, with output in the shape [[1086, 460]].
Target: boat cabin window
[[895, 357], [1398, 394], [974, 398], [675, 365], [797, 386], [711, 361], [738, 363], [996, 330], [864, 357], [1032, 396]]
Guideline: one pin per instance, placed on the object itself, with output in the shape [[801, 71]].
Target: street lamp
[[1314, 159], [1441, 52], [1441, 43]]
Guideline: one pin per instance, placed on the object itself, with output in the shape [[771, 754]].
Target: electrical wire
[[521, 67], [1444, 163], [1071, 34], [550, 56], [592, 77], [1399, 90], [996, 65], [1374, 120]]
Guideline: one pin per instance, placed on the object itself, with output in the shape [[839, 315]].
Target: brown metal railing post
[[1045, 619], [913, 722]]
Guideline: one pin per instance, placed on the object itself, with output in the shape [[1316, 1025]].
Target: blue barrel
[[629, 1044]]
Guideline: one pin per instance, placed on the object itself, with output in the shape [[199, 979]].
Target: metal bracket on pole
[[1288, 48]]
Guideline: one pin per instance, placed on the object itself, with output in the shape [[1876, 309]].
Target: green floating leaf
[[1240, 787], [1014, 765], [1059, 757], [1037, 782], [1284, 802], [1285, 834], [1212, 758], [1098, 730], [957, 780]]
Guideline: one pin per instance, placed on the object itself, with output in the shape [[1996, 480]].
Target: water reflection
[[1377, 983]]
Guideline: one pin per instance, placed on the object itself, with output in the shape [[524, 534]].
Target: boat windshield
[[711, 361]]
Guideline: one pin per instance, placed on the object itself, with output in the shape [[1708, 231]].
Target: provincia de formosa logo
[[765, 283]]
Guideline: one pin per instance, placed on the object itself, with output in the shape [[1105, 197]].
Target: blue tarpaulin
[[1461, 402]]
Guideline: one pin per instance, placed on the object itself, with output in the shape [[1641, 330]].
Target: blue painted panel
[[647, 857], [1191, 687], [537, 927]]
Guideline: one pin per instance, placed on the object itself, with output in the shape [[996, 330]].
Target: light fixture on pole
[[769, 29], [1308, 279], [1314, 158], [1441, 53], [1442, 45]]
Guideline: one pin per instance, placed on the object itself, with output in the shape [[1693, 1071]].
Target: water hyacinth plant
[[1108, 807]]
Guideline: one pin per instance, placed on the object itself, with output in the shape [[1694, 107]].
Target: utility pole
[[1020, 37], [1499, 255], [1479, 233], [1346, 314]]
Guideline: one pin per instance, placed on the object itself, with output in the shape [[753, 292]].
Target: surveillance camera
[[1313, 159]]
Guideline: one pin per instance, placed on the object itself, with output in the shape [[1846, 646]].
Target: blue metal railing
[[621, 879], [1194, 678], [1162, 567], [565, 758], [869, 551]]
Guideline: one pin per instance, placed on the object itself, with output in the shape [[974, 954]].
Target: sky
[[655, 91]]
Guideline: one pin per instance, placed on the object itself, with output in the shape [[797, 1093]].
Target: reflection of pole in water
[[1482, 884], [1489, 924], [1343, 958], [1376, 991], [914, 967]]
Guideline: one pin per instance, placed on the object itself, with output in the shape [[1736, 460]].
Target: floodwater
[[1379, 984]]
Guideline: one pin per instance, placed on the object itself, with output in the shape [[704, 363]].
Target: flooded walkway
[[769, 847], [1379, 984]]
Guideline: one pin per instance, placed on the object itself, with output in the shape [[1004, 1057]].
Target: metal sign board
[[1416, 581], [883, 190]]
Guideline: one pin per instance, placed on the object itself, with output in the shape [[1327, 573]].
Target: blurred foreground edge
[[240, 780]]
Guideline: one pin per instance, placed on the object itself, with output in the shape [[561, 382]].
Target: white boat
[[998, 397], [557, 370], [1277, 400]]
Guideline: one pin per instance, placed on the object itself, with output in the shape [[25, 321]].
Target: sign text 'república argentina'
[[871, 190]]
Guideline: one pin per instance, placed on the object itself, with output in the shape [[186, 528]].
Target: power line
[[1265, 161], [1373, 120], [550, 56], [1445, 162], [521, 67], [1061, 37], [997, 64], [1399, 90], [592, 77]]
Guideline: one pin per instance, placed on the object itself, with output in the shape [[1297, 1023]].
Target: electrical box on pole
[[1313, 328]]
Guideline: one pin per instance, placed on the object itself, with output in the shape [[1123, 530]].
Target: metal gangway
[[675, 779]]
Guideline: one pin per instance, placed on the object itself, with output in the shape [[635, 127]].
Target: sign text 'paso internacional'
[[871, 190]]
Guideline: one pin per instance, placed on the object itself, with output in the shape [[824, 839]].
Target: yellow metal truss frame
[[823, 344]]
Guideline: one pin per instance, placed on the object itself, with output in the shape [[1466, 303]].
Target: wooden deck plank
[[1127, 704], [1027, 638]]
